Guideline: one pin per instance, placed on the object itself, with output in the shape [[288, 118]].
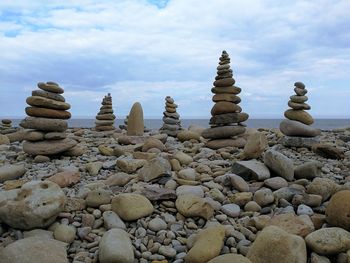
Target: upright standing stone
[[105, 118], [171, 118], [227, 116], [298, 120], [135, 120], [47, 120]]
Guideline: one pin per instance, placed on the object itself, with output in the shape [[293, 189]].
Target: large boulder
[[35, 205], [115, 246], [34, 250], [207, 245], [338, 210], [276, 245], [135, 121]]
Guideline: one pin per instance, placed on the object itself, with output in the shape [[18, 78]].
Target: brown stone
[[37, 101], [299, 115], [135, 121], [47, 113], [299, 106], [104, 128], [65, 179], [221, 143], [228, 118], [328, 151], [44, 124], [226, 97], [298, 99], [230, 90], [224, 82], [225, 107], [49, 95], [223, 132], [51, 87], [338, 210], [105, 117], [48, 147]]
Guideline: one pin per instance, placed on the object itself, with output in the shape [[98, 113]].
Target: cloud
[[144, 50]]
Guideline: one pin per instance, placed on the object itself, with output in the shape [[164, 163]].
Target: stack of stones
[[171, 118], [6, 127], [298, 120], [48, 121], [125, 125], [227, 116], [105, 118]]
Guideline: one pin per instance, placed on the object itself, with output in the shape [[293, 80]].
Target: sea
[[323, 124]]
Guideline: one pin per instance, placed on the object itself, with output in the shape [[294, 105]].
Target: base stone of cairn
[[47, 121], [105, 118], [171, 119], [135, 126], [6, 127], [227, 116], [296, 128]]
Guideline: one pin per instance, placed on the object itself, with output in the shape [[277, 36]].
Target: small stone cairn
[[298, 120], [6, 127], [171, 119], [105, 118], [227, 116], [125, 125], [47, 121]]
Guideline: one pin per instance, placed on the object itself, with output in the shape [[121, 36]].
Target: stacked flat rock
[[105, 118], [125, 125], [227, 116], [171, 119], [47, 121], [6, 126], [298, 120]]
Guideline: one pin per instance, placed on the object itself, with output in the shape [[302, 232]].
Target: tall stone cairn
[[47, 121], [227, 116], [105, 118], [171, 119], [298, 120]]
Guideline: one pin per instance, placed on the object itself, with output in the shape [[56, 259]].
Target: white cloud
[[141, 52]]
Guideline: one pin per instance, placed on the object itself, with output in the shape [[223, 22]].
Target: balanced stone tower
[[171, 118], [135, 126], [6, 127], [227, 116], [47, 120], [105, 118], [298, 120]]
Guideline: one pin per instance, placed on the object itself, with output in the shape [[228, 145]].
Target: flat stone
[[47, 113], [224, 82], [298, 106], [276, 183], [157, 224], [222, 107], [44, 124], [190, 205], [222, 143], [51, 147], [308, 170], [300, 92], [232, 210], [329, 241], [42, 102], [130, 165], [228, 118], [226, 97], [105, 117], [208, 244], [190, 189], [98, 197], [186, 135], [55, 135], [251, 170], [299, 115], [155, 193], [48, 95], [11, 172], [131, 207], [104, 128], [104, 122], [115, 246], [299, 142], [230, 89], [238, 182], [51, 87], [296, 128], [34, 250], [169, 120], [298, 99], [223, 132], [299, 85], [64, 233], [35, 205], [112, 220], [280, 164], [64, 179]]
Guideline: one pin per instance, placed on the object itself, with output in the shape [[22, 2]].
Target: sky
[[141, 50]]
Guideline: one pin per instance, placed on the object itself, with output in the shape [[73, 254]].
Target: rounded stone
[[223, 132], [222, 107], [226, 97], [50, 147], [338, 210], [42, 102], [230, 258], [98, 197], [51, 87], [230, 89], [296, 128], [228, 118], [47, 113], [64, 233], [49, 95], [157, 224], [300, 92], [299, 85], [299, 115], [298, 99], [232, 210], [44, 124], [224, 82], [135, 120], [263, 197]]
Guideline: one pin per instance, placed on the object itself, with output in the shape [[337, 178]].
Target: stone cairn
[[105, 118], [47, 121], [135, 126], [227, 115], [125, 125], [298, 120], [171, 118], [6, 127]]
